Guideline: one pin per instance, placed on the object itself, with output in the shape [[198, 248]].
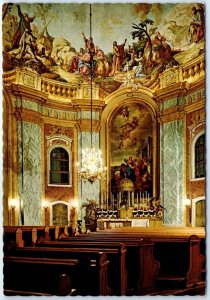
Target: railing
[[9, 77], [190, 72], [56, 89], [194, 70]]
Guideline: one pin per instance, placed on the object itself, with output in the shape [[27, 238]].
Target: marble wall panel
[[172, 171], [86, 190], [29, 172]]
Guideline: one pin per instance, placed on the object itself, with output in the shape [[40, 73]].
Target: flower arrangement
[[89, 204]]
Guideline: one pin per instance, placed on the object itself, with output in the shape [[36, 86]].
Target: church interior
[[104, 149]]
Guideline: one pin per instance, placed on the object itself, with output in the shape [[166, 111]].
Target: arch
[[193, 213], [192, 152], [120, 98]]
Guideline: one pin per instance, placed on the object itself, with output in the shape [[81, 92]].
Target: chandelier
[[91, 166]]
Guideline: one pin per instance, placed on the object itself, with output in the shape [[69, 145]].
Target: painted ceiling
[[56, 42]]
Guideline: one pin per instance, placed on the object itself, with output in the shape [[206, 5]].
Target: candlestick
[[102, 200], [129, 196], [12, 212], [46, 216]]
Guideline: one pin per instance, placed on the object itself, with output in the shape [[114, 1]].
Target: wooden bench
[[141, 266], [181, 263], [56, 272], [117, 274], [29, 235], [170, 245], [156, 233]]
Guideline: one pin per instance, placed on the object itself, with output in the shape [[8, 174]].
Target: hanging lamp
[[91, 167]]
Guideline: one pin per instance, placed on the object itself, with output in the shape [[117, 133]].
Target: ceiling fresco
[[137, 41]]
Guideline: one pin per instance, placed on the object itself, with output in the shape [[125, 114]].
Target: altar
[[108, 223]]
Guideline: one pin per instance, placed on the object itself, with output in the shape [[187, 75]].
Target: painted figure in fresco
[[131, 59], [101, 67], [122, 170], [27, 48], [148, 62], [138, 71], [75, 61], [84, 63], [118, 57], [125, 112], [161, 50], [137, 170], [89, 45], [197, 25], [129, 127], [24, 23], [131, 169]]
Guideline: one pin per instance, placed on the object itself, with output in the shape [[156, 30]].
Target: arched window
[[59, 166], [200, 157]]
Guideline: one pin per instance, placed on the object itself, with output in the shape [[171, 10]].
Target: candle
[[102, 199], [107, 200]]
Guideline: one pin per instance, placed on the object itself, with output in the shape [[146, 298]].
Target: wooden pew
[[180, 263], [141, 266], [155, 233], [168, 244], [37, 276], [43, 272], [30, 235], [117, 274], [165, 242], [12, 237]]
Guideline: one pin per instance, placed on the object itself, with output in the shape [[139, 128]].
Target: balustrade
[[189, 72], [194, 70], [55, 89], [9, 77]]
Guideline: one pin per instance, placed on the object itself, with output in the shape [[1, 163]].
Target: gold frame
[[123, 97]]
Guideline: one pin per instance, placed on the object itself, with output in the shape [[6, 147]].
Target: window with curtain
[[200, 157], [59, 166]]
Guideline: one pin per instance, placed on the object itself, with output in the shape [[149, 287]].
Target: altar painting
[[131, 138]]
